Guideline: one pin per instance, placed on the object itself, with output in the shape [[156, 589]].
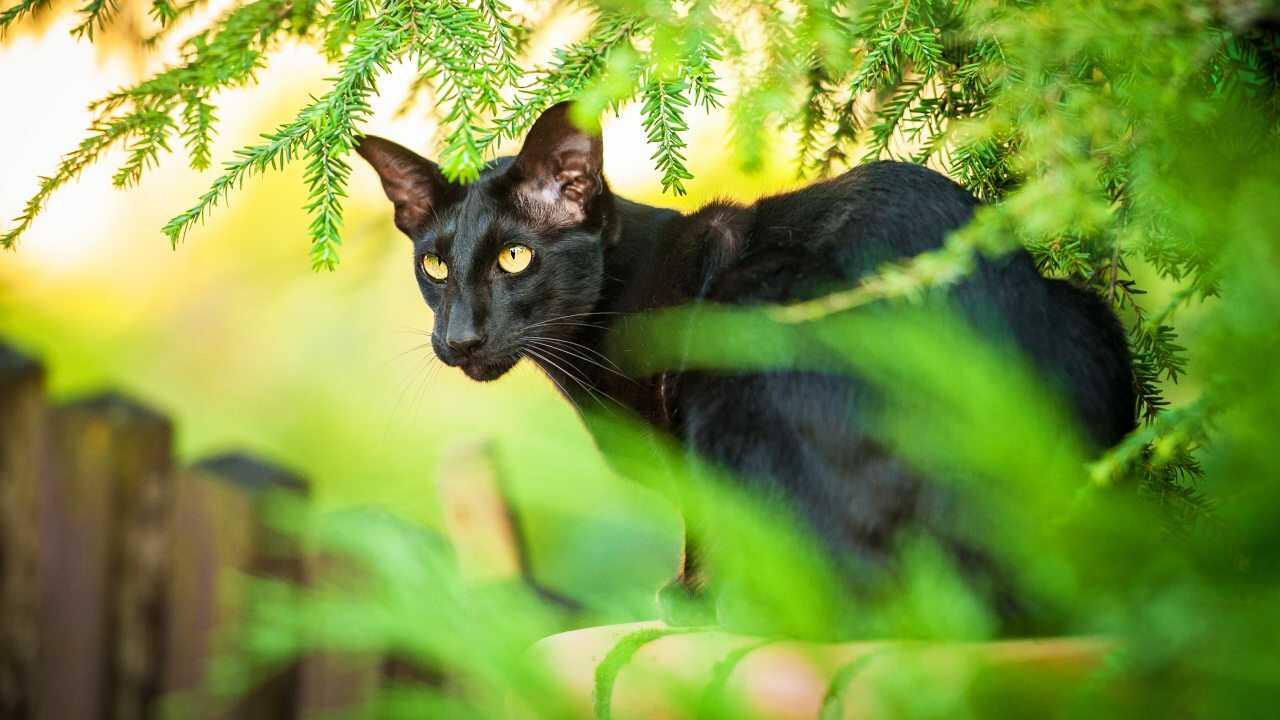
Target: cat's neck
[[641, 255], [633, 260], [653, 258]]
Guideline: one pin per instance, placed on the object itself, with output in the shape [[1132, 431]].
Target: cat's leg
[[835, 497], [793, 441], [685, 600]]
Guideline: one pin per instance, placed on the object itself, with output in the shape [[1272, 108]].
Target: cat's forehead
[[471, 224]]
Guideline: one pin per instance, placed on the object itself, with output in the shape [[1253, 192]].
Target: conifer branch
[[97, 13], [1056, 137], [572, 70], [20, 10], [664, 102]]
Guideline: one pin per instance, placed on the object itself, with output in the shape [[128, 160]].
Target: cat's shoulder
[[826, 233], [719, 231]]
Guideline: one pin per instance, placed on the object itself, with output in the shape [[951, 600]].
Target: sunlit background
[[1166, 544], [233, 335]]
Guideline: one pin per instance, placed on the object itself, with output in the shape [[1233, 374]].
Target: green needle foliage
[[1133, 147], [1061, 113]]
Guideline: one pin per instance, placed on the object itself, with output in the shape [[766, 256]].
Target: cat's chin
[[486, 370]]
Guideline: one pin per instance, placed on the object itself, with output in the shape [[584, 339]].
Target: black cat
[[539, 259]]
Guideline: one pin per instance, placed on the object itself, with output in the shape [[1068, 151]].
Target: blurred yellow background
[[234, 336]]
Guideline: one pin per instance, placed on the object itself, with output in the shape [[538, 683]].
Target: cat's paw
[[682, 606], [738, 612]]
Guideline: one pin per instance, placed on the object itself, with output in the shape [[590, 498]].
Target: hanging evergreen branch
[[813, 123], [163, 12], [341, 23], [278, 151], [18, 11], [1160, 460], [101, 137], [890, 117], [167, 15], [198, 119], [455, 54], [141, 114], [97, 13], [572, 70], [144, 152], [1066, 141], [333, 121], [699, 65], [325, 130], [663, 113], [227, 58]]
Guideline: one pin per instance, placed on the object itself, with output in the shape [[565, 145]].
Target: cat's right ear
[[414, 184], [557, 174]]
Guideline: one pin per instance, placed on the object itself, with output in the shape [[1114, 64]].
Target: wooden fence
[[118, 567], [115, 596]]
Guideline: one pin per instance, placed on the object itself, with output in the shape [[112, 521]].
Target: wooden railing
[[120, 569], [117, 590]]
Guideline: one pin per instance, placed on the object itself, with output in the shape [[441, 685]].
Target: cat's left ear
[[414, 185], [557, 175]]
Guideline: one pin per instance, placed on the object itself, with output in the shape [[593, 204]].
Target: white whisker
[[547, 351], [543, 343], [557, 319], [567, 395]]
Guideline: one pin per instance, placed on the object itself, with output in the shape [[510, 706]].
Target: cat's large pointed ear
[[414, 184], [557, 175]]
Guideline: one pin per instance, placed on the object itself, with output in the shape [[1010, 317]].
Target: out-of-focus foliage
[[1061, 111], [1130, 146]]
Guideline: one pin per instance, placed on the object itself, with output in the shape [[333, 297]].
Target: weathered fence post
[[483, 525], [22, 421], [335, 682], [220, 531], [103, 530], [478, 518], [210, 537], [121, 580]]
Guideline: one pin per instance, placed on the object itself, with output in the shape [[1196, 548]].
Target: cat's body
[[828, 236], [793, 436]]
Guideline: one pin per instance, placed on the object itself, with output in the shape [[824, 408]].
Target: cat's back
[[868, 201], [828, 236], [806, 241]]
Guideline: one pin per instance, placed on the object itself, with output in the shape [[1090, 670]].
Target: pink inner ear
[[576, 185], [558, 170], [560, 199], [411, 215]]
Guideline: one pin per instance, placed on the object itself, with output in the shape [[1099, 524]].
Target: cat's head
[[518, 254]]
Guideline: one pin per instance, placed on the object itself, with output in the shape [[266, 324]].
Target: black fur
[[599, 259]]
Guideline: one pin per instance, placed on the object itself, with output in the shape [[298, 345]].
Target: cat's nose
[[465, 344]]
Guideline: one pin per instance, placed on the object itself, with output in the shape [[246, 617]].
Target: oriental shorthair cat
[[538, 259]]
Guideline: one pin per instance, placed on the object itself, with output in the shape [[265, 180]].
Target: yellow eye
[[515, 258], [434, 267]]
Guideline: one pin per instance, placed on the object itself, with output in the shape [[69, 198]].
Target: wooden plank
[[478, 518], [22, 421], [243, 491], [103, 532], [211, 539], [335, 683], [221, 534]]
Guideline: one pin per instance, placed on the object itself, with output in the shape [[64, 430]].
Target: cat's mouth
[[486, 369]]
